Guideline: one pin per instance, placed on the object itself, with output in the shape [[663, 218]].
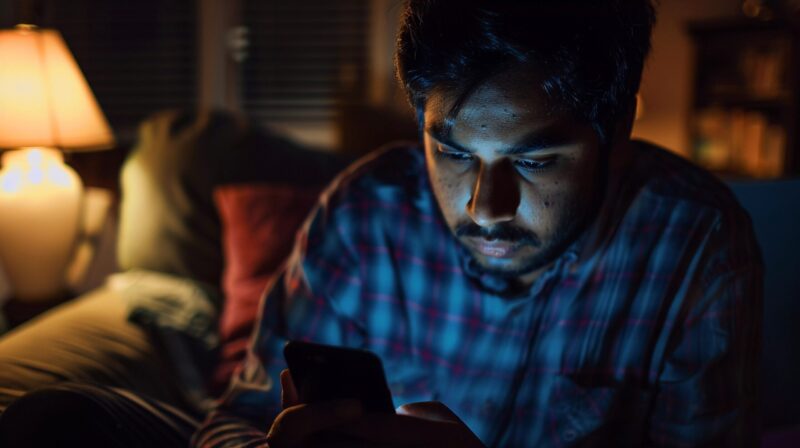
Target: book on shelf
[[739, 141]]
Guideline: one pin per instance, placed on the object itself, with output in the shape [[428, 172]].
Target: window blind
[[306, 58], [138, 57]]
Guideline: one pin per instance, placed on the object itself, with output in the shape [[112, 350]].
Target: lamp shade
[[44, 98]]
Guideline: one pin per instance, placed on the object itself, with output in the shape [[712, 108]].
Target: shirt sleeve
[[707, 392], [298, 305]]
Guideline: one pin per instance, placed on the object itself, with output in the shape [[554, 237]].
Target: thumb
[[289, 396], [452, 431], [429, 410]]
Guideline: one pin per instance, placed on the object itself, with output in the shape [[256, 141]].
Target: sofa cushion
[[259, 222], [772, 206], [168, 222], [168, 219]]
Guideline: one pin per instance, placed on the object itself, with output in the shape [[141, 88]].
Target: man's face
[[515, 181]]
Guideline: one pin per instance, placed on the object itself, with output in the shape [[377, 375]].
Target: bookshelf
[[744, 112]]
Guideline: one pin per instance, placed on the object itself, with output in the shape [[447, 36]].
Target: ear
[[621, 136], [621, 154], [624, 127]]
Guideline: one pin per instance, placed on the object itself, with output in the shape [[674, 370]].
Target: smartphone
[[325, 373]]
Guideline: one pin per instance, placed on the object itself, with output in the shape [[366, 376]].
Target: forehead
[[505, 104]]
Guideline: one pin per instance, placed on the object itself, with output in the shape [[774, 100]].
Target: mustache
[[501, 232]]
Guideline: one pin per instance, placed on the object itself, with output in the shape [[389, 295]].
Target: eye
[[458, 156], [534, 165]]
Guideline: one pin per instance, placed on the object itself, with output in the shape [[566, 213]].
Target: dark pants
[[71, 414]]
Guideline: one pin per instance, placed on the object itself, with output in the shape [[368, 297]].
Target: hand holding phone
[[323, 373], [326, 379]]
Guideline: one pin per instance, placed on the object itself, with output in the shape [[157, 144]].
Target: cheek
[[449, 193], [568, 195], [450, 190], [549, 206]]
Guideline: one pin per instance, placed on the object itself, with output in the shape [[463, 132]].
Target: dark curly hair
[[589, 54]]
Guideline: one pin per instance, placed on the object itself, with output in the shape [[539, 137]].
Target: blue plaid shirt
[[645, 332]]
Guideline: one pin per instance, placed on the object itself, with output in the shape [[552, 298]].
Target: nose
[[495, 195]]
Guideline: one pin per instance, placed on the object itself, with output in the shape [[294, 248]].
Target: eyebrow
[[535, 141]]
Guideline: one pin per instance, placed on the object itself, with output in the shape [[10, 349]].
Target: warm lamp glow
[[44, 98], [33, 170], [39, 216], [45, 103]]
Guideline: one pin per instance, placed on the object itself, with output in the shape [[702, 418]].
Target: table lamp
[[46, 106]]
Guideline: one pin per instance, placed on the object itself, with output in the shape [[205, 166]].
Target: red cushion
[[259, 223]]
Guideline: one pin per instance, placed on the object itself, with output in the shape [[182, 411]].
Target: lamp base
[[40, 201]]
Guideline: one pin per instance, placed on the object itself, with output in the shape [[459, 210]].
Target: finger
[[403, 430], [295, 424], [429, 410], [289, 396]]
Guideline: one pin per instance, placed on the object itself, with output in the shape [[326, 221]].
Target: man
[[530, 276]]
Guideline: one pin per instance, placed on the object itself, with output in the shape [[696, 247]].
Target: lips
[[493, 248]]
